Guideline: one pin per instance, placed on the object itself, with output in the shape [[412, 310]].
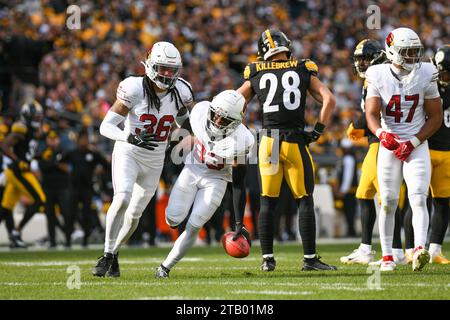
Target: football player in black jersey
[[19, 147], [281, 84], [369, 52], [439, 145]]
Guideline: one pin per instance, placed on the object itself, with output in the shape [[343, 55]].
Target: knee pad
[[417, 200]]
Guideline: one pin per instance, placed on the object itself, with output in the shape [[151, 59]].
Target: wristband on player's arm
[[317, 131]]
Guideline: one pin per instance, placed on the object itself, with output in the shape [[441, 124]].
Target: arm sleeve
[[109, 127], [239, 192], [349, 169]]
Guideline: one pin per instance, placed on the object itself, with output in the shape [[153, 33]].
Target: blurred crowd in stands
[[74, 73]]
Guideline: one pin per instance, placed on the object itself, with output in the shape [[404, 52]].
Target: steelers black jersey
[[24, 149], [281, 87], [361, 122], [441, 139]]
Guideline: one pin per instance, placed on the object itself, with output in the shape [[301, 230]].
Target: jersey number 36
[[162, 126]]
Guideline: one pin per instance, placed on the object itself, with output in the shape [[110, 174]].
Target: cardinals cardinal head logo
[[390, 39]]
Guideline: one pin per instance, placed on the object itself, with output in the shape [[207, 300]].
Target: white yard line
[[168, 282], [271, 292]]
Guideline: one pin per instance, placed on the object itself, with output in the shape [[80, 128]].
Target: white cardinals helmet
[[163, 65], [404, 48], [226, 112]]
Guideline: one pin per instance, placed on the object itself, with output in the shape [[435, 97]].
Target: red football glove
[[387, 139], [404, 150]]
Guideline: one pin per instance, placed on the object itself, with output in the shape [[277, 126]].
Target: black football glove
[[241, 230], [144, 140], [313, 136]]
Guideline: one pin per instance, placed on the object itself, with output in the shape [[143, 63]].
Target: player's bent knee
[[173, 219], [417, 200], [176, 212], [121, 200]]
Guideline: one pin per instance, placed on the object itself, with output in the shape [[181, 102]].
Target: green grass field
[[208, 273]]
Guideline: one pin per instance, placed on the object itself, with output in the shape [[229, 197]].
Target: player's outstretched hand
[[144, 140], [241, 230]]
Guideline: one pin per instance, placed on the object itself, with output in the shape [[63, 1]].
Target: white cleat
[[387, 266], [400, 259], [358, 257], [420, 258]]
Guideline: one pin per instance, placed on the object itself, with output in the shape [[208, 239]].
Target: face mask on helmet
[[220, 124], [409, 57], [361, 64], [165, 75], [163, 65]]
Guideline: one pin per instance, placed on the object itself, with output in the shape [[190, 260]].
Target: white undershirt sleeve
[[109, 127]]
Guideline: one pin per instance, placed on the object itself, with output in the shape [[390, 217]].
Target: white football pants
[[416, 171], [205, 195], [134, 184]]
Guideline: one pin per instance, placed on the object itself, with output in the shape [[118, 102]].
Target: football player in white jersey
[[404, 92], [147, 105], [220, 140]]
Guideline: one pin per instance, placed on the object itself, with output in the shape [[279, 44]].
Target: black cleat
[[162, 272], [114, 270], [15, 241], [103, 264], [314, 264], [268, 264]]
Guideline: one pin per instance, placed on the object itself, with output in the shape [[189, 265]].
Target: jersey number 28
[[290, 81]]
